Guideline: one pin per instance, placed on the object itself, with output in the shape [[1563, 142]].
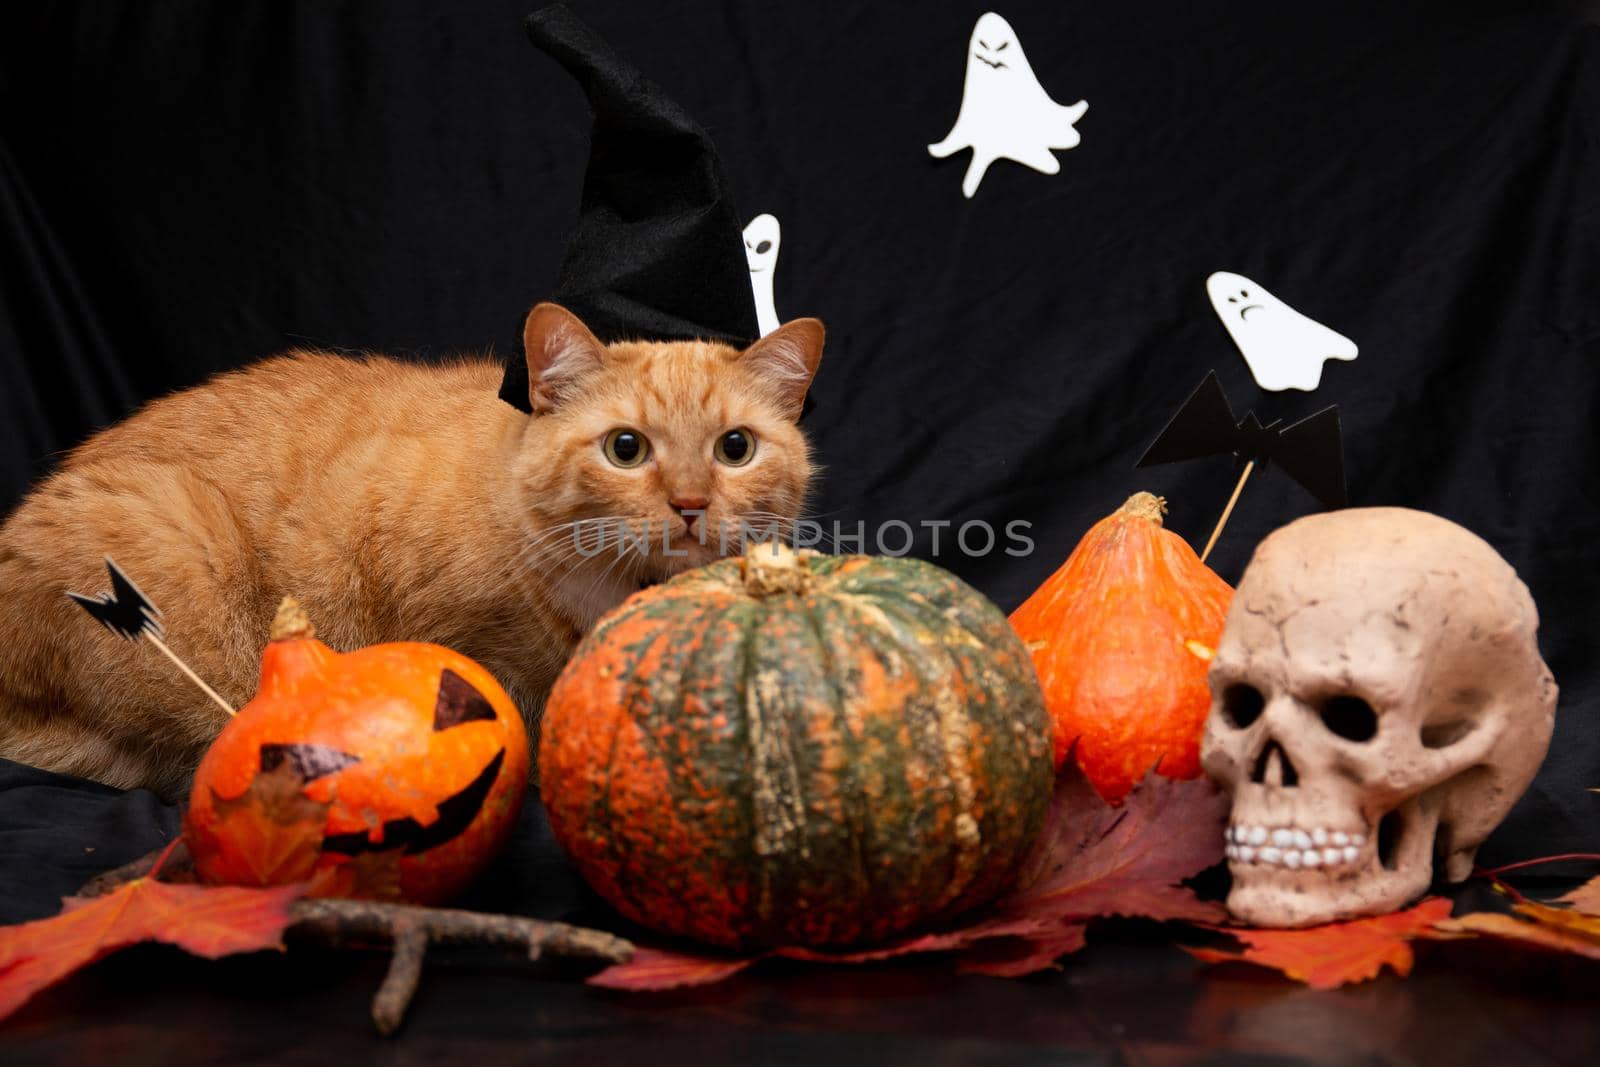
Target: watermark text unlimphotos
[[894, 537]]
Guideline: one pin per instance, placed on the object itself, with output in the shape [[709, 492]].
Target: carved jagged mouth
[[995, 63], [455, 815], [1292, 846]]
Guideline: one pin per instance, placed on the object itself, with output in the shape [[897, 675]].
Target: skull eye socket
[[1442, 733], [1350, 717], [1445, 734], [1242, 705]]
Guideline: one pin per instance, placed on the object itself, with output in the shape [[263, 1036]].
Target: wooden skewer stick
[[129, 614], [189, 673], [1227, 511]]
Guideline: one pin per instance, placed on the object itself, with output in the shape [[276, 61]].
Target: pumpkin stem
[[291, 622], [1145, 506], [774, 567]]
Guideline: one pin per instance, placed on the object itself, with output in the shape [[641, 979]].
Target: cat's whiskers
[[599, 543], [754, 526], [605, 574], [561, 539]]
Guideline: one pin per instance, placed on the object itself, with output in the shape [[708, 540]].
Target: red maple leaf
[[1090, 860], [655, 969], [1336, 954], [206, 921], [1130, 860], [271, 834]]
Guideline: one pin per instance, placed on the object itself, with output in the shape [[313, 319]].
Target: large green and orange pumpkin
[[408, 753], [795, 749], [1122, 636]]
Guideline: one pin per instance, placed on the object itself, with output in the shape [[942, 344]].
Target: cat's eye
[[627, 448], [735, 447]]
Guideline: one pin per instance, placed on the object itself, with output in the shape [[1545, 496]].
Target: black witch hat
[[658, 252]]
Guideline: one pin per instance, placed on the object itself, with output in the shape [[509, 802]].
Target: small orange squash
[[414, 752], [1121, 636]]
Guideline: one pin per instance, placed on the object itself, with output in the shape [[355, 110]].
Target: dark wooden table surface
[[1127, 999]]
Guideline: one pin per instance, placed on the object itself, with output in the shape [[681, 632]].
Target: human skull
[[1378, 700]]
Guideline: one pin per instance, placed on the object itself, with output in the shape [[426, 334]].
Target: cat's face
[[640, 451]]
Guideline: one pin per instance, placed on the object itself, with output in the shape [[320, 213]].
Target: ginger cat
[[397, 502]]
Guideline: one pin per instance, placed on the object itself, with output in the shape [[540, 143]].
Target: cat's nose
[[681, 504]]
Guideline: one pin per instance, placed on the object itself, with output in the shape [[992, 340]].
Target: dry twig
[[409, 930]]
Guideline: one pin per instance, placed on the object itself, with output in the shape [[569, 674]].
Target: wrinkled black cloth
[[57, 832]]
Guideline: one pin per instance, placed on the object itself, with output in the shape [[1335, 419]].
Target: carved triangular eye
[[459, 702], [309, 762]]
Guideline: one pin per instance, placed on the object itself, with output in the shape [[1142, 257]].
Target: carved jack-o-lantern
[[414, 751]]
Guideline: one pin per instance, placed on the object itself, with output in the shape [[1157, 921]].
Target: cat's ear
[[560, 351], [787, 359]]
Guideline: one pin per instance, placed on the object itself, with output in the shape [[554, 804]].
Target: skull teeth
[[1293, 847]]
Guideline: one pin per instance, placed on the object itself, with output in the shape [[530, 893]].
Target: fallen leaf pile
[[1091, 860]]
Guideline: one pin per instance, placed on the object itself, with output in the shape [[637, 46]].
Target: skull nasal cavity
[[1273, 767]]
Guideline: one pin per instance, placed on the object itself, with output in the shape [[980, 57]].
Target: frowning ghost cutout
[[761, 239], [1285, 350], [1005, 112]]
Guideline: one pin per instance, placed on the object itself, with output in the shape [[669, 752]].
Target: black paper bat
[[1309, 451], [124, 611]]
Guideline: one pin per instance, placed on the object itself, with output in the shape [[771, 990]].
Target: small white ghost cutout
[[1005, 112], [1283, 348], [761, 240]]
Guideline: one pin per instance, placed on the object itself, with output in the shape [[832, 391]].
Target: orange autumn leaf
[[1538, 926], [1585, 898], [1326, 957], [202, 920], [273, 832]]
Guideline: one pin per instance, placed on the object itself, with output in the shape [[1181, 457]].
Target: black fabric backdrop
[[185, 187]]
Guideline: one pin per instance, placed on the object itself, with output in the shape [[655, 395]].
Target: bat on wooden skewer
[[1309, 451], [130, 615]]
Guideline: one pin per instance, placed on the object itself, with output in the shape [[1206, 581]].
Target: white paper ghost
[[1005, 112], [1285, 350], [761, 239]]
